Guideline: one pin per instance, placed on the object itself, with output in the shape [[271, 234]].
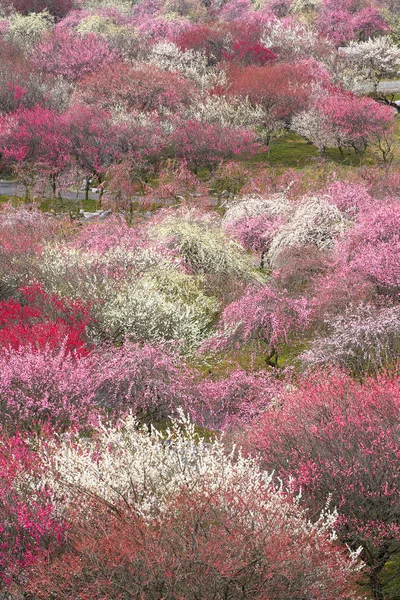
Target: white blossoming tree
[[364, 339], [373, 60], [295, 41], [191, 63], [235, 112], [26, 30], [162, 305], [199, 239], [315, 222], [315, 127], [170, 512]]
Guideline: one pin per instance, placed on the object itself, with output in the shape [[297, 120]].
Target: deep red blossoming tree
[[39, 319]]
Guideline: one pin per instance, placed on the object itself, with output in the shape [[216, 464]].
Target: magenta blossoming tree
[[372, 247], [235, 401], [35, 138], [263, 314], [72, 56]]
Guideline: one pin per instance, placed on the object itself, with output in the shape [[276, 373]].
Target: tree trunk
[[130, 213], [272, 357], [87, 188], [100, 187], [376, 563], [376, 584], [53, 184]]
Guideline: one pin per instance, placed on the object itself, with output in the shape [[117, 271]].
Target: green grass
[[391, 578], [15, 200], [60, 206], [289, 354], [293, 151], [290, 150], [250, 357]]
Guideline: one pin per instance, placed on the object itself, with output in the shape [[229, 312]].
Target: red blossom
[[27, 525], [338, 439]]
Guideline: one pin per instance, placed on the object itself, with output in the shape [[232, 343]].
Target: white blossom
[[160, 306], [315, 221], [372, 60], [295, 40], [97, 24], [143, 469], [120, 5], [218, 109], [191, 63], [362, 339], [201, 242], [26, 30], [252, 206], [315, 127], [301, 6]]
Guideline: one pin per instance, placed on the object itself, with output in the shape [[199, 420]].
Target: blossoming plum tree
[[58, 8], [50, 387], [137, 87], [72, 56], [371, 248], [282, 89], [254, 221], [27, 523], [206, 144], [340, 119], [236, 400], [263, 314], [198, 239], [373, 59], [181, 517], [35, 137], [364, 340], [42, 319], [315, 221], [339, 441]]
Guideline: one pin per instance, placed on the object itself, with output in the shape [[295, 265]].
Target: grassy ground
[[67, 206], [250, 357], [54, 204], [391, 578], [293, 151]]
